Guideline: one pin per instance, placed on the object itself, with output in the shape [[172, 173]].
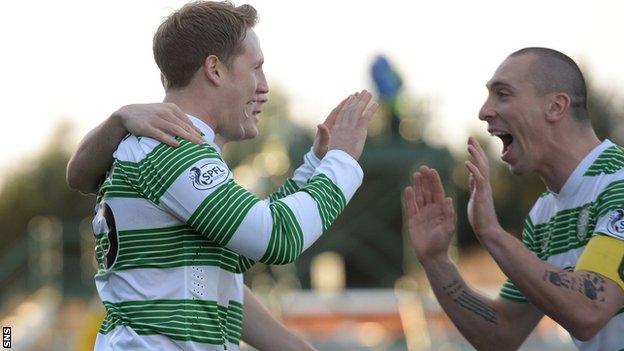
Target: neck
[[195, 103], [563, 155]]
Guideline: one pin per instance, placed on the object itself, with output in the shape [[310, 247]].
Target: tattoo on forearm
[[589, 284], [455, 290]]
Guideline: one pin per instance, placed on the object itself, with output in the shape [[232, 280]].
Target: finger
[[474, 170], [475, 149], [347, 112], [369, 114], [417, 185], [437, 190], [426, 185], [164, 138], [409, 201], [477, 178], [331, 119], [364, 99], [185, 120], [177, 130]]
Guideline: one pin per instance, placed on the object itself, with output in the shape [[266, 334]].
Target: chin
[[250, 133], [518, 169]]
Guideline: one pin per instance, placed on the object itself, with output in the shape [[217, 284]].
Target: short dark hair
[[553, 71], [195, 31]]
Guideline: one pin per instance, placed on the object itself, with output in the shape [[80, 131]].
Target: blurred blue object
[[386, 79]]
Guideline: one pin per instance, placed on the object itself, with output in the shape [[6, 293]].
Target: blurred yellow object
[[85, 338]]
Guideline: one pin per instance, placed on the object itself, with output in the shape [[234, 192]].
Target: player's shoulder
[[609, 161], [136, 148]]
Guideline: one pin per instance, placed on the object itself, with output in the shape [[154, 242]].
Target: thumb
[[323, 134]]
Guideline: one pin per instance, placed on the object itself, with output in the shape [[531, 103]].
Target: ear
[[558, 106], [213, 69]]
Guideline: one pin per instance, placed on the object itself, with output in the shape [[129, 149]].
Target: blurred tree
[[36, 187]]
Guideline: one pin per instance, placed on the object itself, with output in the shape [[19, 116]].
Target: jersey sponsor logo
[[616, 223], [113, 247], [209, 175], [104, 222], [583, 220]]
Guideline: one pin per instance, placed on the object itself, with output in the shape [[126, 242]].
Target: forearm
[[474, 315], [262, 331], [570, 298], [94, 156]]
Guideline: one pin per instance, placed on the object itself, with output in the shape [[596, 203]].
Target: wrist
[[489, 233], [313, 158], [432, 261]]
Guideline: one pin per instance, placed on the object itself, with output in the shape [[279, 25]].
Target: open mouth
[[253, 105], [507, 140]]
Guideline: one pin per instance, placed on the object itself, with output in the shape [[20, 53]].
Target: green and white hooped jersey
[[559, 226], [174, 232]]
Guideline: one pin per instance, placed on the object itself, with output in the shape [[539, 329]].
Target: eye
[[502, 94]]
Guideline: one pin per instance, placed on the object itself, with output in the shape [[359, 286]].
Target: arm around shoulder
[[94, 156]]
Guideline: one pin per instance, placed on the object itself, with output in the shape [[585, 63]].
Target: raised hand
[[351, 124], [481, 212], [160, 121], [430, 215]]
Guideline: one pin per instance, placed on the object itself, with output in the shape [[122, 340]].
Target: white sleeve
[[199, 189]]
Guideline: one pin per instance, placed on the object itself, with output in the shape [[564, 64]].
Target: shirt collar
[[208, 133], [575, 179]]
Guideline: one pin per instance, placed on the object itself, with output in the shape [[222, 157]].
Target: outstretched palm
[[430, 215]]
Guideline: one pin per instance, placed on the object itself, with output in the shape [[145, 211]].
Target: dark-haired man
[[174, 232], [570, 261]]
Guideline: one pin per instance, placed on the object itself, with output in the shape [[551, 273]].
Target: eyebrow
[[498, 84]]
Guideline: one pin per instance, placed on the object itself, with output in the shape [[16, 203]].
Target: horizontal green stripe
[[510, 292], [167, 247], [610, 161], [185, 320]]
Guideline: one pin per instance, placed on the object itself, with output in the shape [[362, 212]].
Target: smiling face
[[244, 90], [516, 114]]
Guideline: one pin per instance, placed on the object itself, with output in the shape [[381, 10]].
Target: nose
[[263, 86], [486, 112]]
